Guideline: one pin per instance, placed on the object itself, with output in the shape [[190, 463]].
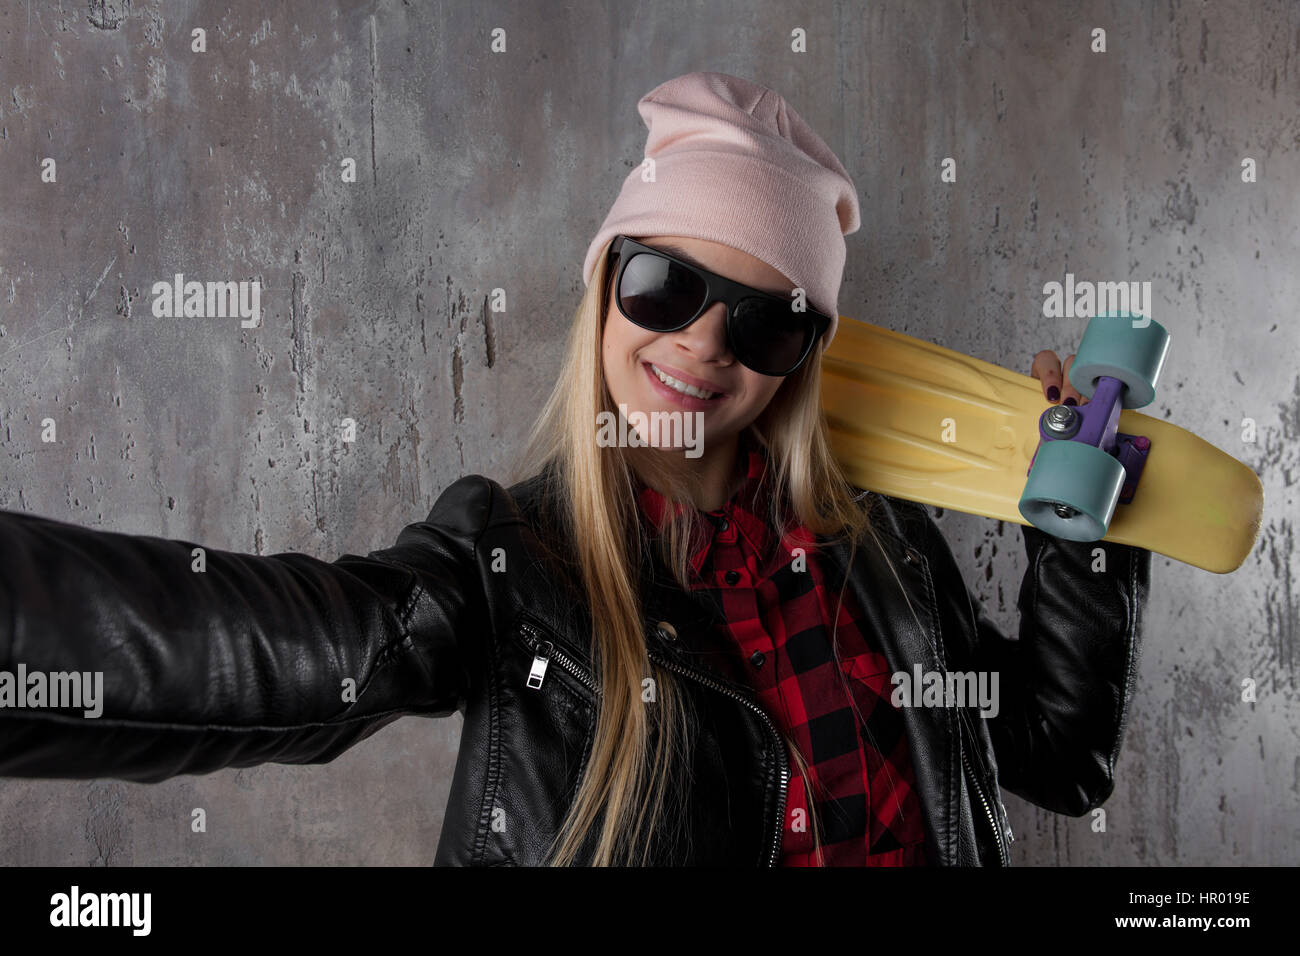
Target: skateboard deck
[[914, 420]]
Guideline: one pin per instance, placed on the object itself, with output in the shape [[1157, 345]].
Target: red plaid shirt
[[779, 620]]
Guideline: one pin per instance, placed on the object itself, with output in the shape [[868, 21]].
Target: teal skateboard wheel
[[1112, 345], [1072, 490]]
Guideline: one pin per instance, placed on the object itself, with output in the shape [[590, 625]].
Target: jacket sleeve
[[283, 658], [1065, 683]]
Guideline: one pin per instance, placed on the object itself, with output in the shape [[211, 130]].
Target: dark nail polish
[[1069, 401], [1053, 393]]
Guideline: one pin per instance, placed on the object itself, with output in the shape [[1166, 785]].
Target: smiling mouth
[[680, 386]]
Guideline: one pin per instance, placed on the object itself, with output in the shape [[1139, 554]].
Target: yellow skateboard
[[914, 420]]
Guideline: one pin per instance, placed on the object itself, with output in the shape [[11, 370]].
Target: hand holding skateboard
[[1047, 368], [918, 421]]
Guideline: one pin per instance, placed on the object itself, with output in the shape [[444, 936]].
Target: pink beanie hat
[[735, 164]]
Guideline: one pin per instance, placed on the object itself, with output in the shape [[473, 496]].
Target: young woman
[[663, 654]]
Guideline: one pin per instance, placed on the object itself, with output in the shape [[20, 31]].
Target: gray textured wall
[[480, 170]]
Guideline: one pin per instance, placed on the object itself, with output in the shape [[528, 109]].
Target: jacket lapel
[[905, 643], [694, 638], [688, 628]]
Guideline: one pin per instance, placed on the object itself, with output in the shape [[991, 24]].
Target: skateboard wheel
[[1072, 490], [1111, 345]]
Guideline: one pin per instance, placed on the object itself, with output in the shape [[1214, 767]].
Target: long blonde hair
[[627, 788]]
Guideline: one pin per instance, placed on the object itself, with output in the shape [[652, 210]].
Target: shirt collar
[[743, 514]]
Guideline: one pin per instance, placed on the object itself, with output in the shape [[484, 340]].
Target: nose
[[705, 339]]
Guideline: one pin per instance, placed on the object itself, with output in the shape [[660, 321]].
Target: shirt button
[[757, 659], [912, 555], [732, 577], [667, 631], [723, 524]]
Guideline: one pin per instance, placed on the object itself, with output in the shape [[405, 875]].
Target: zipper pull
[[541, 661]]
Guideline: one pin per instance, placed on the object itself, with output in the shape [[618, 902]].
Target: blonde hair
[[627, 788]]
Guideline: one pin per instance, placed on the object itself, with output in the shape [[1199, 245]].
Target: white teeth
[[681, 386]]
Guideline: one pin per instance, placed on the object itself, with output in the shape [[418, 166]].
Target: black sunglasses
[[662, 293]]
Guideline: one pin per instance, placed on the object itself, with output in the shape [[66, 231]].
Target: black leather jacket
[[287, 658]]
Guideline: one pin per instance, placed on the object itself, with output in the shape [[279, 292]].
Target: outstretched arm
[[283, 658]]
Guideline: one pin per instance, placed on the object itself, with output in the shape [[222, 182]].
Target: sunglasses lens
[[658, 294], [768, 337]]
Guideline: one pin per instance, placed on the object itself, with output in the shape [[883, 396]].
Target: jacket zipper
[[776, 739], [988, 810], [979, 789], [545, 652]]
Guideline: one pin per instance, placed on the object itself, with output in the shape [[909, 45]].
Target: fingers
[[1047, 369], [1055, 380], [1069, 394]]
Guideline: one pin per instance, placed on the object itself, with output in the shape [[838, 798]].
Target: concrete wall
[[479, 171]]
